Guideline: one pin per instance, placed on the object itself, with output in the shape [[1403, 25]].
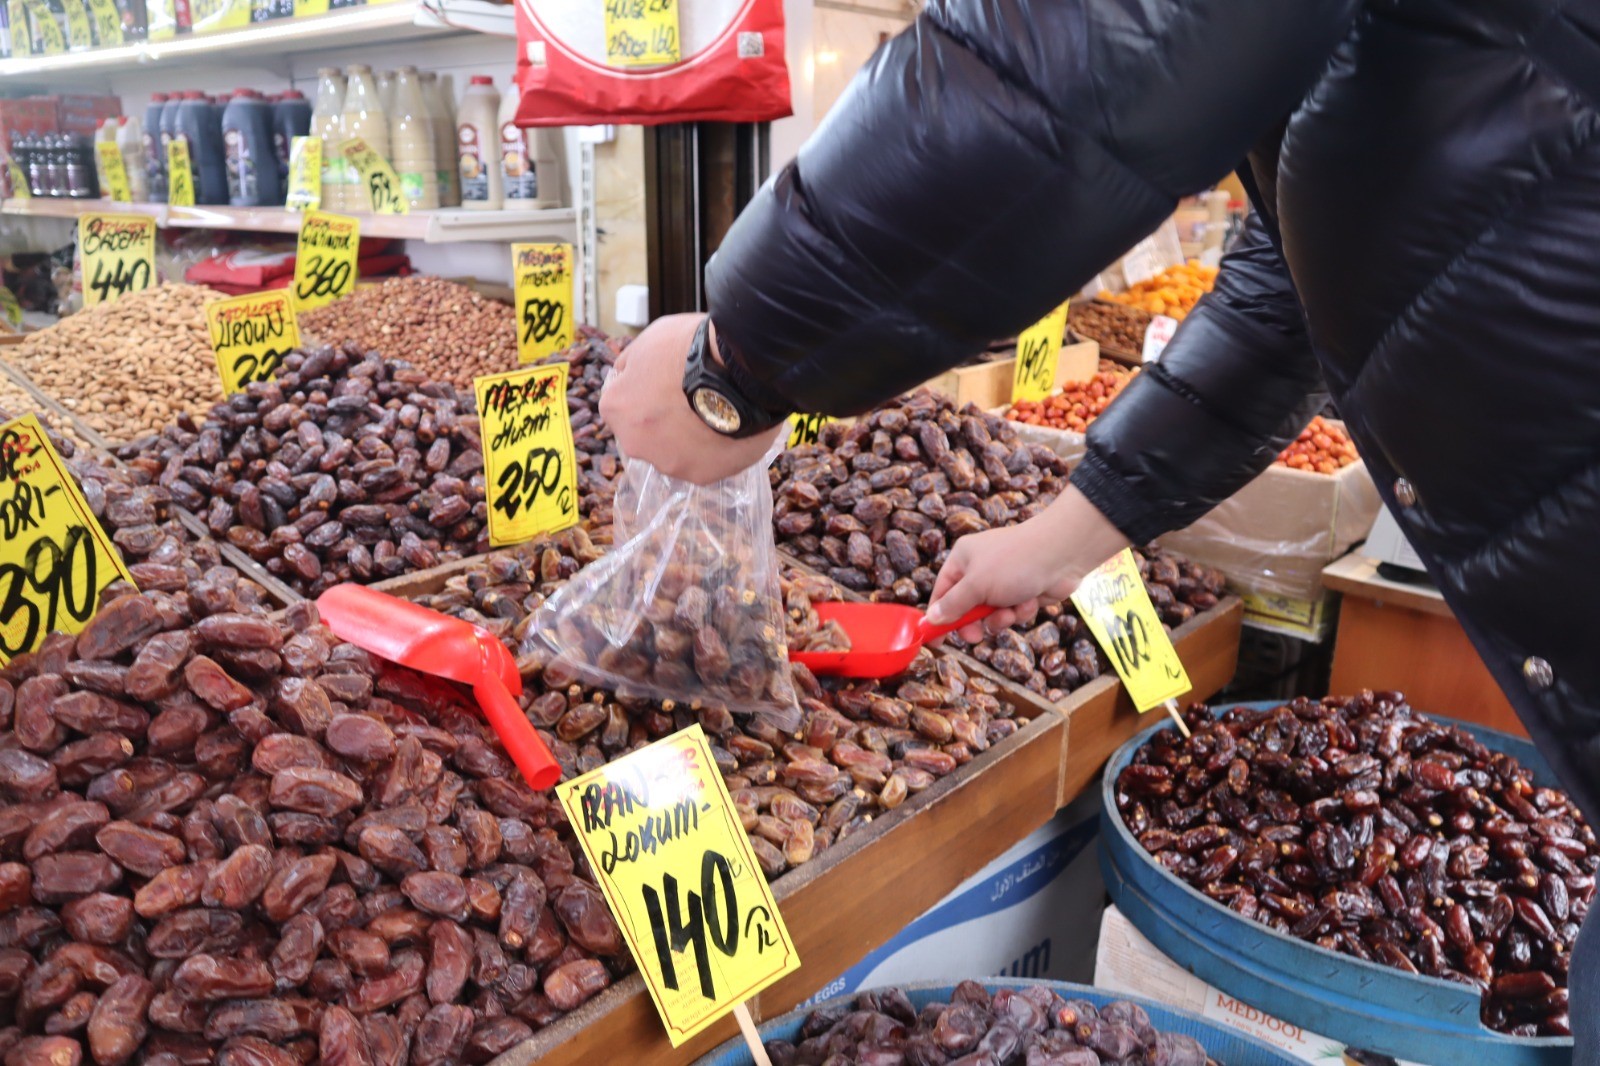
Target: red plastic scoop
[[884, 638], [446, 647]]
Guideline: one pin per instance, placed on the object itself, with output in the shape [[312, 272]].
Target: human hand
[[644, 405], [1018, 568]]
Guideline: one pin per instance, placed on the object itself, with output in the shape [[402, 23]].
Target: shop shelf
[[1376, 1008]]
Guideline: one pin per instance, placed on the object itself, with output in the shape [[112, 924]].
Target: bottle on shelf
[[55, 164], [169, 130], [79, 167], [530, 161], [155, 153], [200, 124], [327, 124], [478, 140], [250, 162], [130, 142], [384, 79], [291, 118], [444, 140], [411, 140], [363, 117], [33, 163]]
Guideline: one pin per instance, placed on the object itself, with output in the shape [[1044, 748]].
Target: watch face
[[715, 410]]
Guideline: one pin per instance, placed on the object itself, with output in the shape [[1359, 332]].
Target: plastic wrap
[[686, 606]]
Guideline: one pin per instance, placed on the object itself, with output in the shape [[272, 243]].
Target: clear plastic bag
[[686, 606]]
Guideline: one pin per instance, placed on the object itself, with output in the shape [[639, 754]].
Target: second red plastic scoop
[[433, 643], [884, 638]]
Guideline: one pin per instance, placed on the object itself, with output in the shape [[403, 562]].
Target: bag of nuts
[[686, 607]]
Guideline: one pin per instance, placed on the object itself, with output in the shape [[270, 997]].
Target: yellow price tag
[[250, 335], [676, 868], [21, 36], [806, 429], [50, 35], [19, 181], [180, 175], [9, 307], [528, 457], [1118, 611], [163, 17], [325, 259], [307, 8], [209, 16], [118, 253], [377, 176], [543, 279], [79, 32], [1038, 353], [107, 22], [305, 174], [642, 33], [55, 560], [114, 173]]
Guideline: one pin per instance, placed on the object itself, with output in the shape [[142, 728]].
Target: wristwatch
[[714, 397]]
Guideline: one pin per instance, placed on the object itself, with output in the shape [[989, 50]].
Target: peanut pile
[[131, 366], [445, 330]]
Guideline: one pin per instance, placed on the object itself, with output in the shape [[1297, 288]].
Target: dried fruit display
[[1114, 327], [131, 366], [802, 628], [228, 836], [447, 331], [875, 505], [599, 462], [1031, 1026], [1078, 403], [1323, 447], [346, 468], [1367, 828], [1173, 292]]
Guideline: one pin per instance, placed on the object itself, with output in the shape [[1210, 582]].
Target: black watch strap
[[715, 394]]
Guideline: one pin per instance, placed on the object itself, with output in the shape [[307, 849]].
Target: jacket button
[[1537, 673], [1405, 495]]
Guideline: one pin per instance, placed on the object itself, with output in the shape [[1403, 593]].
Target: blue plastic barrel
[[1363, 1004], [1228, 1047]]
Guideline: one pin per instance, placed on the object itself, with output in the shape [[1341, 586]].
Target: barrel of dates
[[1103, 1024], [1482, 892]]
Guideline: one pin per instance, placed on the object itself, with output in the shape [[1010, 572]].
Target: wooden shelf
[[444, 226]]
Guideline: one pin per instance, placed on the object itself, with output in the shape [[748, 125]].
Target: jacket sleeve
[[982, 167], [1236, 384]]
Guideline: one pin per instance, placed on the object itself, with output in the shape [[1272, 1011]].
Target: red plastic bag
[[732, 67]]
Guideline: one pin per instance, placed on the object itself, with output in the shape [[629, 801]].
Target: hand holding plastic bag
[[686, 606]]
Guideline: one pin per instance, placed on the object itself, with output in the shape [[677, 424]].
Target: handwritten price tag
[[528, 457], [9, 308], [305, 174], [107, 22], [55, 560], [1038, 353], [325, 259], [114, 173], [78, 29], [118, 253], [1157, 336], [383, 187], [19, 182], [543, 274], [642, 33], [1114, 603], [676, 868], [806, 429], [50, 36], [250, 335], [180, 175]]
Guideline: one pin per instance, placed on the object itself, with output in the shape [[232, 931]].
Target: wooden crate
[[850, 900], [989, 384]]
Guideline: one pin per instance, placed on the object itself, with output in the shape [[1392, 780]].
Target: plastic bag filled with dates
[[686, 605]]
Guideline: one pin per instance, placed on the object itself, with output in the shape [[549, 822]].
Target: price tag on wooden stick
[[118, 253], [250, 335], [377, 177], [325, 259], [543, 277], [1038, 352], [55, 559], [114, 173], [305, 174], [528, 456], [673, 860], [1117, 608], [642, 33], [180, 174]]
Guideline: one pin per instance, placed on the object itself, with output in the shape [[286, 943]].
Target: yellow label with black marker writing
[[52, 40], [107, 22], [305, 174], [642, 33], [377, 177], [19, 181], [1117, 609], [79, 32], [9, 308], [180, 175], [1038, 355], [529, 460], [250, 335], [118, 253], [542, 275], [806, 429], [114, 174], [676, 867], [326, 258]]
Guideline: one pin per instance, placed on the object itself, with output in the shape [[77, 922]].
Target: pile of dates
[[1058, 654], [599, 462], [1369, 829], [876, 505], [346, 468], [1031, 1026], [229, 838]]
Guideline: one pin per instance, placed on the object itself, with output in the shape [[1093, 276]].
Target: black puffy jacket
[[1426, 248]]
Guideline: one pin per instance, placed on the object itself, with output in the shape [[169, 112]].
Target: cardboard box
[[1126, 962], [1292, 617], [1020, 916], [989, 384]]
